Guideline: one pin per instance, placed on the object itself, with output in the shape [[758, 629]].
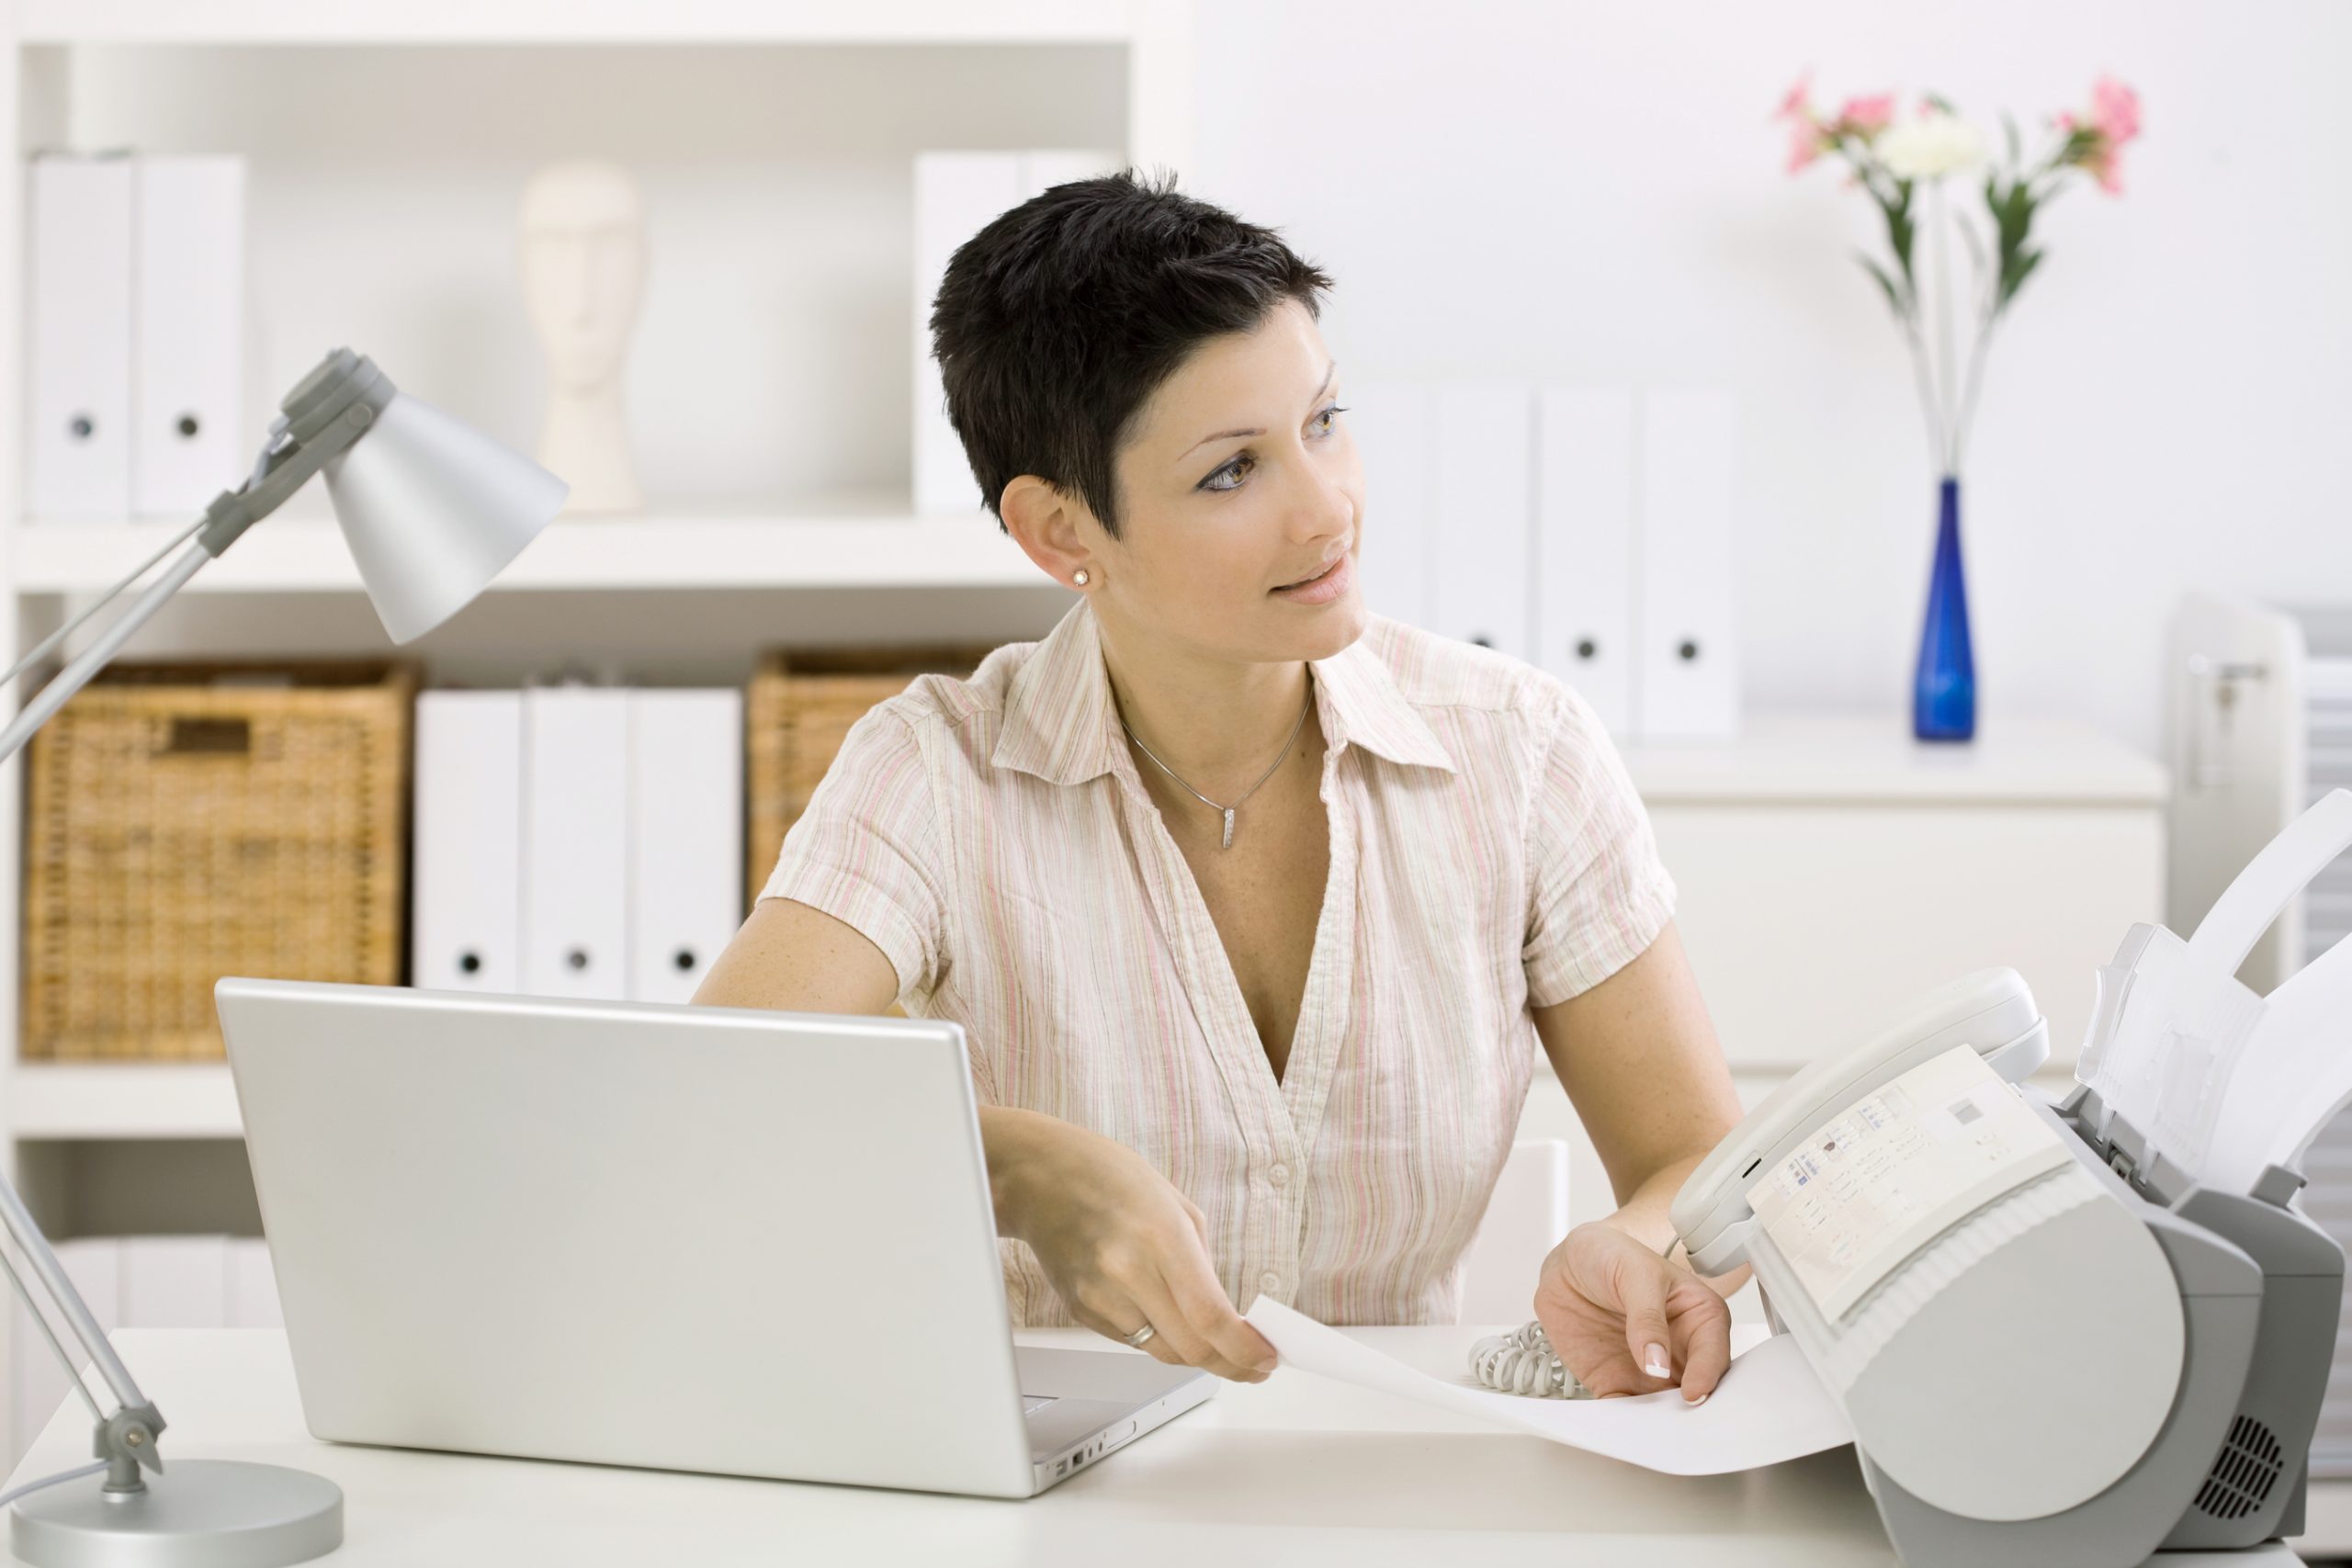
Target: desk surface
[[1296, 1471]]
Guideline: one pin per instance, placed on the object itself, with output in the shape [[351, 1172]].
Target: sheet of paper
[[2294, 1079], [1770, 1406]]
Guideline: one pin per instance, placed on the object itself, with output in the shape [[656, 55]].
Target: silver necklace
[[1246, 793]]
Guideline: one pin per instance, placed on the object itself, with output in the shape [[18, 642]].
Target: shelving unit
[[847, 545], [125, 1099], [385, 144], [82, 22]]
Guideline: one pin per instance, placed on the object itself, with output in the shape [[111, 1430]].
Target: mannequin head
[[583, 239]]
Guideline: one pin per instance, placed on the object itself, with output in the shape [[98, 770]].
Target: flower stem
[[1947, 400], [1976, 381], [1926, 383]]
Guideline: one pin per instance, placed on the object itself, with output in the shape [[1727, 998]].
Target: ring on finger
[[1141, 1336]]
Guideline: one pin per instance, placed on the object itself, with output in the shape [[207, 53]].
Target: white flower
[[1929, 147]]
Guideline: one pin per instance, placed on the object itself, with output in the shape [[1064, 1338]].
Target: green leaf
[[2009, 129], [1900, 230], [2014, 275], [1894, 294], [2012, 214]]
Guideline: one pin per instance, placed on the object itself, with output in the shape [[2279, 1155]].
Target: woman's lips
[[1324, 589]]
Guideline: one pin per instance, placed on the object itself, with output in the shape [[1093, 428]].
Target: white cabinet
[[1831, 868]]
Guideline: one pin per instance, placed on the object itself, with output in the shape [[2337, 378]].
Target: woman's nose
[[1325, 509]]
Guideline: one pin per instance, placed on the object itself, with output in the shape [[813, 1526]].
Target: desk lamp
[[431, 510]]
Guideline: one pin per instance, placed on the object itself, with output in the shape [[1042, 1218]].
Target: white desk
[[1295, 1471]]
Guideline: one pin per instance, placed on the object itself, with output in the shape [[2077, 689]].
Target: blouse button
[[1270, 1281], [1279, 1175]]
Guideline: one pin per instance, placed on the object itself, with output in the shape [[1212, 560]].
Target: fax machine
[[2069, 1333]]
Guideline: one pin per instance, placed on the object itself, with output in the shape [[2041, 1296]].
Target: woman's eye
[[1230, 476], [1232, 471]]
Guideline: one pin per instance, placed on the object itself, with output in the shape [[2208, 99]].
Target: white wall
[[1591, 191]]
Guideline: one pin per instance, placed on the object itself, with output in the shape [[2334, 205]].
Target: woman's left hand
[[1626, 1321]]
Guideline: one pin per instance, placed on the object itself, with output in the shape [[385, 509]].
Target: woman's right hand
[[1118, 1241]]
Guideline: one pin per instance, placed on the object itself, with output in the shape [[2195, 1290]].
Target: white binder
[[1480, 550], [1689, 676], [79, 276], [1394, 425], [187, 325], [686, 802], [1585, 534], [466, 926], [575, 842], [956, 196]]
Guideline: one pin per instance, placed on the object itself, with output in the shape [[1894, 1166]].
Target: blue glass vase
[[1943, 696]]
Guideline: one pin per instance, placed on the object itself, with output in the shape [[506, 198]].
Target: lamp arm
[[282, 467], [49, 644], [76, 675], [126, 1438]]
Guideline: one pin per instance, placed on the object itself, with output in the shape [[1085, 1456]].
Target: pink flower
[[2115, 109], [1866, 117], [1805, 145], [2107, 166], [2097, 142], [1793, 103]]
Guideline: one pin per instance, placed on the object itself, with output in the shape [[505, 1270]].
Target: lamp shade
[[431, 510]]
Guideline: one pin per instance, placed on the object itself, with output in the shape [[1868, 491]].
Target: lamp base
[[199, 1514]]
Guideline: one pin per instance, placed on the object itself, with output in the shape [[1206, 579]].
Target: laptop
[[707, 1239]]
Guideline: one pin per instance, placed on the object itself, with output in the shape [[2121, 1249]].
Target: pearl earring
[[1079, 577]]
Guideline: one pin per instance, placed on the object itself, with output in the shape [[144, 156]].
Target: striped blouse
[[1489, 855]]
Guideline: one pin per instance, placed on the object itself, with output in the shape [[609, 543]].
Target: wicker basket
[[188, 822], [800, 706]]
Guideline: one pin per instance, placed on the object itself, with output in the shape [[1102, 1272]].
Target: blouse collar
[[1061, 725]]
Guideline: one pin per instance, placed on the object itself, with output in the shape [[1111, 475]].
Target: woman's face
[[1241, 502]]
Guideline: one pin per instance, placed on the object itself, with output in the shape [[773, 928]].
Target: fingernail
[[1654, 1361], [1703, 1399]]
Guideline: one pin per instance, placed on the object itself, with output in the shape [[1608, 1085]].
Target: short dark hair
[[1056, 322]]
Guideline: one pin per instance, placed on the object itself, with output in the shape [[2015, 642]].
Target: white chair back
[[1525, 1219]]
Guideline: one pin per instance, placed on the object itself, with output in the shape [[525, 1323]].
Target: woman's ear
[[1047, 527]]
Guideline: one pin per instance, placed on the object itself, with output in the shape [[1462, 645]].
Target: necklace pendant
[[1228, 829]]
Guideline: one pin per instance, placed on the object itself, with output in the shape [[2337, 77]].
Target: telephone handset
[[1991, 1012], [1841, 1226]]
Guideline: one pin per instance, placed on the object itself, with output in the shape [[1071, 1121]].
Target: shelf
[[847, 546], [573, 22], [123, 1100], [1870, 758]]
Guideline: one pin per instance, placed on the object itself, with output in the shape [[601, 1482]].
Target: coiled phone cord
[[1526, 1363]]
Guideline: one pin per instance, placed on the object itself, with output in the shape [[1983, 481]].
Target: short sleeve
[[1598, 893], [867, 851]]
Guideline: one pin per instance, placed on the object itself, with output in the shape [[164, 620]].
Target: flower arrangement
[[1897, 161], [1902, 165]]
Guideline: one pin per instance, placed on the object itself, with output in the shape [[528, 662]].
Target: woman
[[1245, 900]]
